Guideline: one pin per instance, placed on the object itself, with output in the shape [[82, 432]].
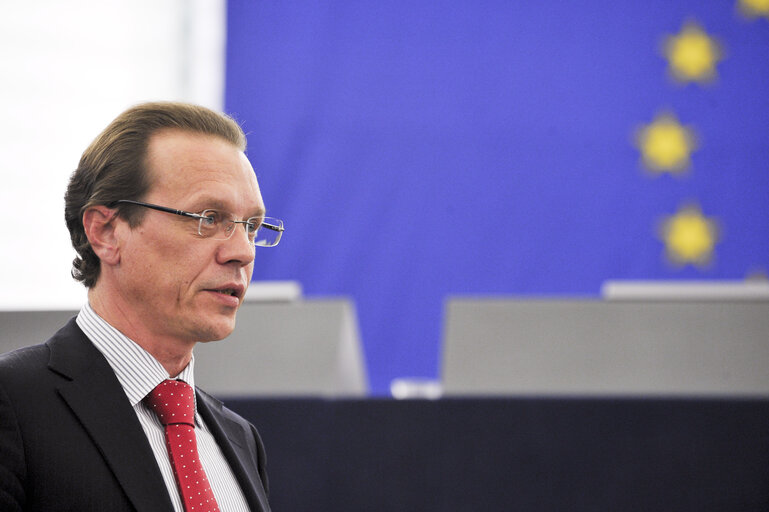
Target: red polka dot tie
[[174, 403]]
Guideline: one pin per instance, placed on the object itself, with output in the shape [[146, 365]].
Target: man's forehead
[[170, 150], [202, 171]]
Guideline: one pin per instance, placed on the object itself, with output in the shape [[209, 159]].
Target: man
[[164, 211]]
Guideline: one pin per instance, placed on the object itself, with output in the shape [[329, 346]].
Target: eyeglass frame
[[200, 217]]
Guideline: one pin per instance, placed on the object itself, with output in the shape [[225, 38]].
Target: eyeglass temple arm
[[262, 225], [272, 227], [186, 214], [159, 208]]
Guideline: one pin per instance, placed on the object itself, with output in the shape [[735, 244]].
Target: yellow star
[[754, 8], [665, 144], [689, 237], [692, 54]]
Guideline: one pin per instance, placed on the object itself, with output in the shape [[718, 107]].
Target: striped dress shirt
[[138, 372]]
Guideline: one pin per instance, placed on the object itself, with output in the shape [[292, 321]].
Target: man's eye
[[211, 218], [252, 226]]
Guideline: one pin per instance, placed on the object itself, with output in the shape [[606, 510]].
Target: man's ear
[[99, 224]]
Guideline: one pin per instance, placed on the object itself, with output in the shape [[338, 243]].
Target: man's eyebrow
[[210, 203], [260, 212]]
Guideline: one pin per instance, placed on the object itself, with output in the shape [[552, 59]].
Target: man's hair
[[114, 167]]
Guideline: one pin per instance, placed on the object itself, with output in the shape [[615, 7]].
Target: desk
[[506, 454]]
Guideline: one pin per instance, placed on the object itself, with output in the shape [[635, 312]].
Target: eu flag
[[418, 150]]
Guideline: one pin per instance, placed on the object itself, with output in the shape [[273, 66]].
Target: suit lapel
[[95, 396], [232, 440]]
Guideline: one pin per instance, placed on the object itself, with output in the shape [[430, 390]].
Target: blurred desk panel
[[302, 347], [23, 328], [535, 346]]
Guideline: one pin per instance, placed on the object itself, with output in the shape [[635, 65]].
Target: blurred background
[[418, 151]]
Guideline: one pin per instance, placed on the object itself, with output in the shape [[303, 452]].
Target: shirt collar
[[136, 369]]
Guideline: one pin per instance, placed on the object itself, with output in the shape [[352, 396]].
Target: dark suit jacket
[[70, 440]]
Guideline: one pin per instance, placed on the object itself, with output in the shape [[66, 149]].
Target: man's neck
[[173, 354]]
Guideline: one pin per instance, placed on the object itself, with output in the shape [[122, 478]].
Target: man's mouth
[[231, 291]]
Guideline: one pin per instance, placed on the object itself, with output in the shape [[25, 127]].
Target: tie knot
[[173, 402]]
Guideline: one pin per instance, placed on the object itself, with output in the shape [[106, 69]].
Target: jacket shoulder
[[19, 362], [24, 362]]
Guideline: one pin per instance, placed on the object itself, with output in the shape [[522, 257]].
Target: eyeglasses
[[261, 231]]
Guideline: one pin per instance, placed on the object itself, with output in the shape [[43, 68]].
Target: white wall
[[68, 68]]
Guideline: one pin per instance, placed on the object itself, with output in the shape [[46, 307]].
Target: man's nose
[[238, 247]]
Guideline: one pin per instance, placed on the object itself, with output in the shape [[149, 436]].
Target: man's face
[[179, 283]]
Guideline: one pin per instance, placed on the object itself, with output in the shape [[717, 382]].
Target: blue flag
[[422, 150]]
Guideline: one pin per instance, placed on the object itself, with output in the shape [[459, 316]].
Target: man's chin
[[215, 331]]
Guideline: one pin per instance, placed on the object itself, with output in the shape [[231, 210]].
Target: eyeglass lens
[[264, 232]]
